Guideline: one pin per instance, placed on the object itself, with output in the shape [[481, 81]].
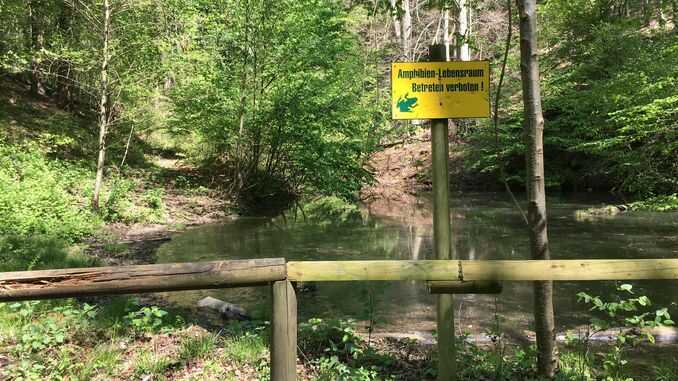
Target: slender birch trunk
[[396, 20], [536, 194], [407, 29], [446, 34], [463, 51], [103, 106], [238, 180]]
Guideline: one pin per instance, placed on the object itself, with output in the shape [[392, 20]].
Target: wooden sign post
[[447, 351], [439, 90]]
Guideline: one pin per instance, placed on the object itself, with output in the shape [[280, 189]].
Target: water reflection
[[484, 226]]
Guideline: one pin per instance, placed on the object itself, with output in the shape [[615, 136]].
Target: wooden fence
[[444, 276]]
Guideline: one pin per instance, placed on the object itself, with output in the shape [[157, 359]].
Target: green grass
[[245, 348], [68, 340], [197, 347], [40, 252], [666, 371], [151, 364], [104, 359]]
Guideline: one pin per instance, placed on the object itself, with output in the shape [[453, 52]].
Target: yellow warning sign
[[434, 90]]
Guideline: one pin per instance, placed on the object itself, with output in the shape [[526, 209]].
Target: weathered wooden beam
[[573, 269], [284, 335], [516, 270], [464, 287], [23, 285], [372, 270]]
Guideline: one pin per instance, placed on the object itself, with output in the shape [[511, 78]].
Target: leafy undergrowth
[[47, 170], [666, 203], [121, 340]]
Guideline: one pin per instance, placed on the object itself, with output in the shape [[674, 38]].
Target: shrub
[[38, 252], [657, 204], [40, 196]]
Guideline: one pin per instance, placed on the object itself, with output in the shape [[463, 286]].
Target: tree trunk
[[446, 34], [646, 12], [64, 93], [396, 19], [37, 40], [534, 129], [407, 29], [103, 107], [238, 181], [463, 51]]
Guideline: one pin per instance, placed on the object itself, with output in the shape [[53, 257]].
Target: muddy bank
[[127, 244], [403, 169]]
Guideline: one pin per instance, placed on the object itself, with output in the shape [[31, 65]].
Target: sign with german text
[[436, 90]]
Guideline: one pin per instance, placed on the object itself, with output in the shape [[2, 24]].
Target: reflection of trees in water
[[482, 229]]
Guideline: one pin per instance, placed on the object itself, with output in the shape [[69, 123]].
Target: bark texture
[[396, 19], [103, 106], [284, 332], [536, 194], [37, 44], [463, 17], [407, 29], [65, 283]]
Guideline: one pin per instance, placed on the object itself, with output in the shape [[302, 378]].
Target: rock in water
[[305, 286], [227, 310]]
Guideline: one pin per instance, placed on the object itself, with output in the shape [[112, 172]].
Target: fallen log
[[47, 284]]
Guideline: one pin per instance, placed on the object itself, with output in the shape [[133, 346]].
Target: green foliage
[[125, 203], [627, 313], [304, 122], [657, 204], [153, 199], [39, 252], [338, 353], [118, 205], [40, 196], [39, 328], [332, 338], [148, 320], [331, 369], [609, 103], [479, 363], [630, 317], [666, 371], [50, 332]]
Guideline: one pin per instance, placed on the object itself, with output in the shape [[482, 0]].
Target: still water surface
[[485, 226]]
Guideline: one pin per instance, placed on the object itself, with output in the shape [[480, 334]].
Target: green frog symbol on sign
[[406, 104]]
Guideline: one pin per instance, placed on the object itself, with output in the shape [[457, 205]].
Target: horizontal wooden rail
[[464, 287], [510, 270], [23, 285]]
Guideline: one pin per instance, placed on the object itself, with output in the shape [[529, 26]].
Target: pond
[[485, 226]]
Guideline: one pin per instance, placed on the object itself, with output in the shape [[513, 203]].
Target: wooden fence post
[[447, 368], [284, 335]]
